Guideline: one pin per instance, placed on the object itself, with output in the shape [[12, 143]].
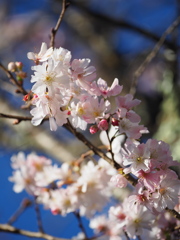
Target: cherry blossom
[[42, 56]]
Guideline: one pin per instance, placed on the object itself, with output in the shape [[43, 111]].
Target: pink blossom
[[125, 103], [138, 156], [101, 88], [48, 106], [166, 193], [132, 130], [42, 56], [138, 221], [82, 73], [119, 181], [48, 76]]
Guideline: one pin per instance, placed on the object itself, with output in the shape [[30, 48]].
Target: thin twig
[[152, 54], [110, 144], [99, 152], [23, 206], [13, 80], [55, 29], [20, 118], [38, 216], [11, 229], [138, 237], [127, 237], [121, 24], [78, 217]]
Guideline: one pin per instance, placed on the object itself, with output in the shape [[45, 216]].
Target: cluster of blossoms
[[66, 91], [63, 189]]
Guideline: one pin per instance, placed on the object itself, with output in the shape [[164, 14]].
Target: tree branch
[[24, 205], [78, 217], [122, 24], [152, 54], [55, 29], [20, 118], [38, 216], [13, 80], [99, 152], [10, 229]]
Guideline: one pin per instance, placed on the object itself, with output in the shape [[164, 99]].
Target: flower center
[[162, 191], [139, 159]]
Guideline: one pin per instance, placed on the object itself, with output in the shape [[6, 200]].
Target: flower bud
[[93, 129], [19, 65], [115, 122], [26, 98], [55, 211], [12, 67], [103, 124]]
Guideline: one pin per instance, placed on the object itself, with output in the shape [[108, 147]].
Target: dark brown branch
[[38, 216], [13, 80], [55, 29], [99, 152], [122, 24], [152, 54], [24, 205], [10, 229], [173, 213], [20, 118], [127, 237], [78, 217]]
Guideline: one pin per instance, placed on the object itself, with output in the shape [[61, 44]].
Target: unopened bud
[[19, 65], [93, 129], [55, 211], [16, 121], [103, 124], [12, 67], [26, 98], [115, 122]]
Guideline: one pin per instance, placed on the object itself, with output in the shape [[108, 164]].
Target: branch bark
[[122, 24], [11, 229], [152, 54], [55, 29]]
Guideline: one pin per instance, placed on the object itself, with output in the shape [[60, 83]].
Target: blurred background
[[117, 35]]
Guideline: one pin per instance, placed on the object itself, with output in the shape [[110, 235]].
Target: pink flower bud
[[103, 124], [12, 67], [19, 65], [93, 129], [55, 211], [115, 122]]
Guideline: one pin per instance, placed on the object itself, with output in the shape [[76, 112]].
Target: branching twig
[[78, 217], [122, 24], [24, 205], [19, 118], [99, 152], [38, 216], [10, 229], [152, 54], [13, 80], [127, 237], [55, 29]]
